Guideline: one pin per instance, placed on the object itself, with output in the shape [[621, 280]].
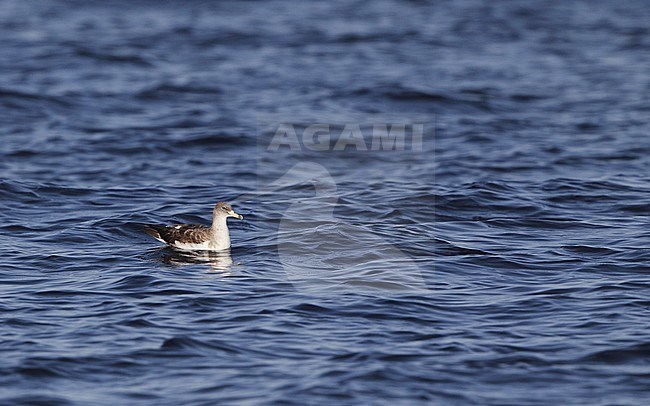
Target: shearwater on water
[[197, 236]]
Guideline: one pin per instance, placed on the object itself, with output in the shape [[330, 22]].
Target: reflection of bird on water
[[219, 261], [318, 251], [195, 236]]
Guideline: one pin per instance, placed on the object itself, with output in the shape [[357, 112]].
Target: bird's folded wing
[[184, 233]]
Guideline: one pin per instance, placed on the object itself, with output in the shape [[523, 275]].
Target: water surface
[[503, 262]]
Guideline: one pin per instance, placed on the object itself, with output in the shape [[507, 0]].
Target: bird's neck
[[220, 233]]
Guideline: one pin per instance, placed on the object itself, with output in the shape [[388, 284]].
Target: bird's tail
[[152, 230]]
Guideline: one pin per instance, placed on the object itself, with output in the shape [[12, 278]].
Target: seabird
[[195, 236]]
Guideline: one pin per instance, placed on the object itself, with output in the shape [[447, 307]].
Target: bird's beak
[[232, 213]]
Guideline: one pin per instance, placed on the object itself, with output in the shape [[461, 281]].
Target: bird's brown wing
[[184, 233]]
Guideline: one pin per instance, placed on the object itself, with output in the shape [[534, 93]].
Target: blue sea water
[[503, 260]]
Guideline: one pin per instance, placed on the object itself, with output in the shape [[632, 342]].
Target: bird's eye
[[225, 208]]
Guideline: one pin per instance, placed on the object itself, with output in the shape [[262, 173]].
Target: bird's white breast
[[190, 246]]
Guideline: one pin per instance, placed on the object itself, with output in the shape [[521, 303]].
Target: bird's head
[[223, 209]]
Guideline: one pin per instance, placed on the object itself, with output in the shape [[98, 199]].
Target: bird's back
[[180, 235]]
